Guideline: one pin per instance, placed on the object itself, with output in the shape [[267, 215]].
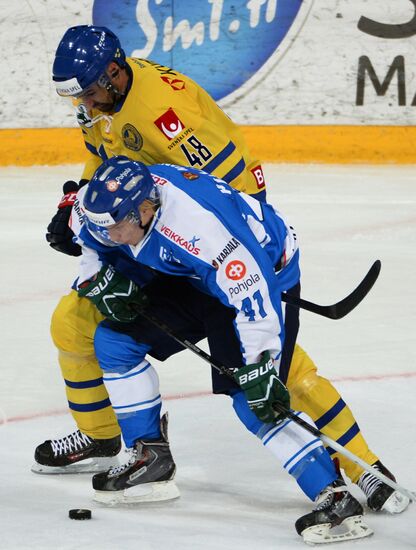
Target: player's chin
[[104, 107]]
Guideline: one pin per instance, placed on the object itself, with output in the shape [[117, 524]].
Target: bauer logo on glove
[[114, 295], [263, 389], [101, 284], [256, 372]]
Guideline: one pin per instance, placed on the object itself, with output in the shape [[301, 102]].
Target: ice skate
[[147, 475], [76, 453], [381, 497], [337, 517]]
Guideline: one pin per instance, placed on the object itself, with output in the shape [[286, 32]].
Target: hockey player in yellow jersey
[[154, 114], [165, 115]]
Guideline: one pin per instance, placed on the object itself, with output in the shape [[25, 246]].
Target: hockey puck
[[80, 513]]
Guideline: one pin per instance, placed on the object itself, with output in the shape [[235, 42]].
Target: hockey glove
[[263, 389], [115, 296], [59, 234]]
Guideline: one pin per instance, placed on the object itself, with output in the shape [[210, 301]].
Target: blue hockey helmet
[[115, 193], [82, 57]]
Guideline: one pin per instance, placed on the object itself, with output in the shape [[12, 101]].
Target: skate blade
[[147, 492], [351, 528], [396, 503], [89, 466]]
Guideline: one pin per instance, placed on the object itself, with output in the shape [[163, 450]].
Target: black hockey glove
[[115, 296], [263, 389], [59, 234]]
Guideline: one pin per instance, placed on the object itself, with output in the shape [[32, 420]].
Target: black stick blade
[[345, 306]]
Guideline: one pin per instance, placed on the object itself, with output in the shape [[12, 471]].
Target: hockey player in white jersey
[[131, 96], [242, 255]]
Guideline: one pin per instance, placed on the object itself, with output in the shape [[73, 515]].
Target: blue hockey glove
[[115, 296], [263, 389]]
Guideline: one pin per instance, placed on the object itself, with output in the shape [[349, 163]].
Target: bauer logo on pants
[[224, 46]]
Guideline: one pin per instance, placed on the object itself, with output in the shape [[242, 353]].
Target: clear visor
[[107, 235]]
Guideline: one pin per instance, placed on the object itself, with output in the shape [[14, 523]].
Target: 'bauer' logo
[[256, 373]]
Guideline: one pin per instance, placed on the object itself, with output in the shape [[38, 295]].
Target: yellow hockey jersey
[[167, 118]]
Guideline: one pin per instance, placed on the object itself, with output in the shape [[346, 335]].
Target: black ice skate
[[380, 496], [76, 453], [337, 517], [147, 476]]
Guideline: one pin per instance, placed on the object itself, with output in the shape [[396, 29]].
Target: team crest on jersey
[[174, 83], [131, 137], [190, 176], [169, 124], [112, 185], [235, 270]]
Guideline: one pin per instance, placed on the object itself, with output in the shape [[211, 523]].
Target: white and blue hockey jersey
[[231, 246]]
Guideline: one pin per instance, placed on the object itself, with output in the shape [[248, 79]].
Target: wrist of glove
[[263, 389], [59, 235], [115, 296]]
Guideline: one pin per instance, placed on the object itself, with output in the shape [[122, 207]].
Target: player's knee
[[303, 374], [57, 323], [117, 352], [305, 385], [63, 331], [73, 324]]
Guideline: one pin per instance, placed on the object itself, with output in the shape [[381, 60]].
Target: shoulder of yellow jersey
[[151, 75]]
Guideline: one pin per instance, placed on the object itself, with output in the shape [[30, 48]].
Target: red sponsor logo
[[235, 270], [158, 180], [112, 185], [174, 83], [257, 172], [67, 200], [189, 245], [169, 124]]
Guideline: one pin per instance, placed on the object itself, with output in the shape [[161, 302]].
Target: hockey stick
[[311, 429], [348, 454], [345, 306]]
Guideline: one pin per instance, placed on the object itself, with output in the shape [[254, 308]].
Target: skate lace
[[325, 499], [369, 483], [132, 458], [70, 443]]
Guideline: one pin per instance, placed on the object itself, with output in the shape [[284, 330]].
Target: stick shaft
[[348, 454]]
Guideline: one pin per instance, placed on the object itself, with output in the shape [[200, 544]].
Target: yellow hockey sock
[[73, 326], [317, 397]]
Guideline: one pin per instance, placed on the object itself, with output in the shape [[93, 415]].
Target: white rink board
[[313, 81], [233, 495]]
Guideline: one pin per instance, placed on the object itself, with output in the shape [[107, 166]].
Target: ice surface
[[233, 494]]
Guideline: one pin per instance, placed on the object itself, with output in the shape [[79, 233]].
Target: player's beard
[[104, 107], [107, 107]]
